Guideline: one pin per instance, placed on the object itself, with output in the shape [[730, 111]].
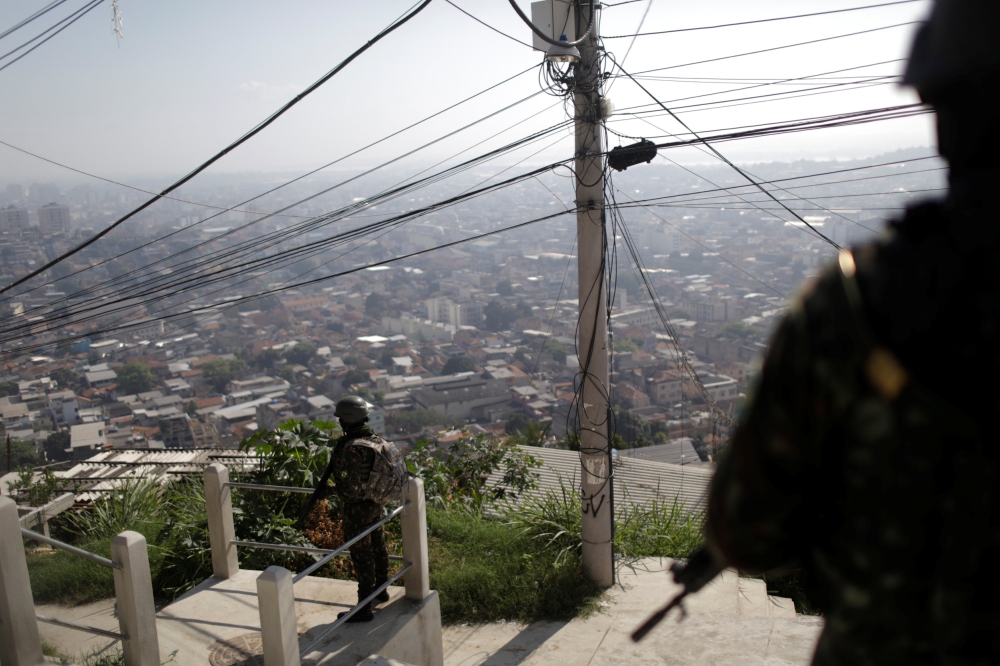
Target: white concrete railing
[[20, 644], [276, 600]]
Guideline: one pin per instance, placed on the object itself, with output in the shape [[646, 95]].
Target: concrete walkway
[[79, 644], [732, 622], [218, 623]]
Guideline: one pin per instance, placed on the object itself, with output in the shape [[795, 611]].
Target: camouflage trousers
[[369, 555]]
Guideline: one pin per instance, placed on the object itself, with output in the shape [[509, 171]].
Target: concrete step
[[219, 620], [780, 607], [752, 597]]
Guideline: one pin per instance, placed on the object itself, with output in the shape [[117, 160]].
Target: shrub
[[460, 472]]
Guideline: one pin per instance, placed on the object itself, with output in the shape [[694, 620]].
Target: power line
[[220, 273], [246, 137], [269, 292], [727, 161], [779, 48], [72, 18], [273, 189], [44, 10], [254, 246], [477, 20], [767, 20]]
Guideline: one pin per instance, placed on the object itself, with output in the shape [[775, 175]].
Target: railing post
[[276, 604], [414, 523], [20, 644], [221, 533], [134, 594]]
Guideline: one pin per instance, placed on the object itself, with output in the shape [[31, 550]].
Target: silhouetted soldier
[[868, 452], [368, 473]]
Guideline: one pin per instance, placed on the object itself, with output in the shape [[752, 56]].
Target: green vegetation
[[375, 305], [221, 371], [135, 377], [34, 492], [558, 350], [738, 330], [352, 377], [56, 446], [456, 364], [301, 354], [8, 389], [500, 316], [266, 359], [22, 454], [486, 570]]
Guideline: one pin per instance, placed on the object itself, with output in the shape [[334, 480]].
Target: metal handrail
[[70, 549], [80, 627], [346, 616], [347, 544], [301, 549], [261, 486]]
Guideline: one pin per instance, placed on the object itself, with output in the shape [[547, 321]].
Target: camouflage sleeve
[[756, 498]]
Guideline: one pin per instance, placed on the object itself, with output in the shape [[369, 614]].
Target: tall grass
[[128, 505], [487, 570], [660, 528]]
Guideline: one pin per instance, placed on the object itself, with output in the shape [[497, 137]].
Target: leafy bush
[[456, 364], [135, 377], [35, 492], [459, 473]]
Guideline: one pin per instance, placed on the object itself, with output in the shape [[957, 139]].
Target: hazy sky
[[190, 77]]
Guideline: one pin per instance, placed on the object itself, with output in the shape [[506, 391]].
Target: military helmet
[[957, 44], [352, 409]]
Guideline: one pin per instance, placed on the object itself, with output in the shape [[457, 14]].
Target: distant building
[[447, 311], [87, 439], [53, 219], [13, 218], [465, 397]]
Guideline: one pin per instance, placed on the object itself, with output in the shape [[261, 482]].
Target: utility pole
[[595, 443]]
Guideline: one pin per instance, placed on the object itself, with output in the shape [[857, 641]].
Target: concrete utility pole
[[595, 444]]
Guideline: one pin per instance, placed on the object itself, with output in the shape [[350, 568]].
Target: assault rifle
[[693, 575]]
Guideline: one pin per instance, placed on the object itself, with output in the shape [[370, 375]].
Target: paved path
[[79, 644], [731, 622]]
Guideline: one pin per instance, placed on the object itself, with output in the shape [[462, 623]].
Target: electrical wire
[[767, 20], [256, 244], [478, 20], [779, 48], [44, 10], [246, 137], [70, 20], [270, 191], [727, 161]]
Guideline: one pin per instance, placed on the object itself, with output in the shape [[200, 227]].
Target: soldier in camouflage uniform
[[864, 453], [351, 467]]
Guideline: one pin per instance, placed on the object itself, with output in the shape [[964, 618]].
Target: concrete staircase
[[732, 622]]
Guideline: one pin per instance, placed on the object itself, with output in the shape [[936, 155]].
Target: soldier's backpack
[[388, 471]]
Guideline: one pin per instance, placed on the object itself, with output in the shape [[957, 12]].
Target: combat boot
[[364, 614], [383, 596]]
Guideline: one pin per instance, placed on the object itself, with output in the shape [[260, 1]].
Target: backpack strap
[[882, 369]]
